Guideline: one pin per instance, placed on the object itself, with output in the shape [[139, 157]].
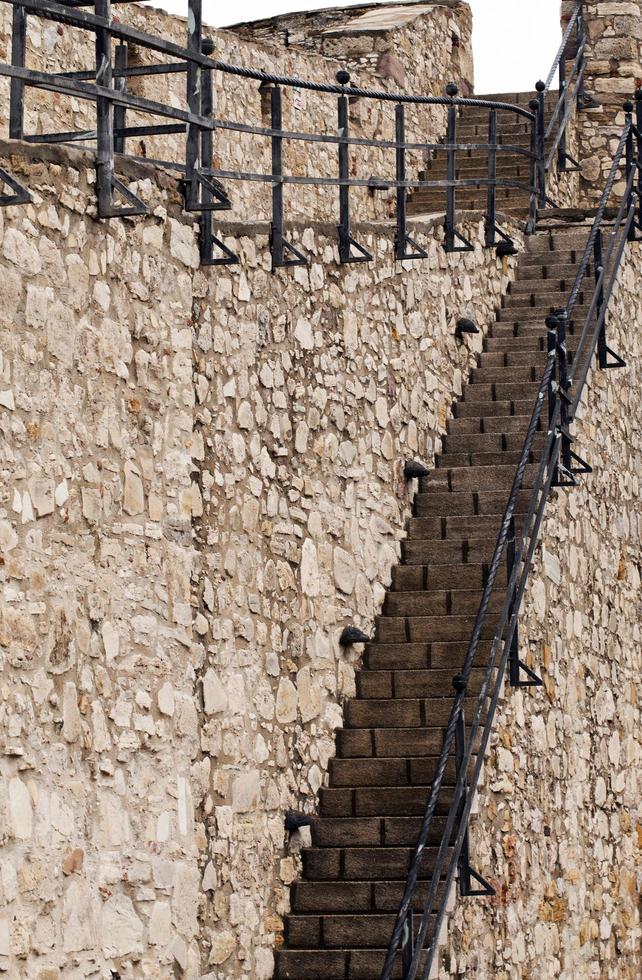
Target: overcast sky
[[515, 40]]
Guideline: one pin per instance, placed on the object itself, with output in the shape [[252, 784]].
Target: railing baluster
[[598, 262], [514, 646], [630, 164], [491, 212], [400, 139], [533, 105], [451, 139], [121, 59], [276, 238], [407, 945], [104, 114], [17, 88], [541, 142], [564, 388], [194, 71], [346, 241], [580, 34], [561, 149]]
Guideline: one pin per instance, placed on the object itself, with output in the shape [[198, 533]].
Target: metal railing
[[203, 184], [562, 385]]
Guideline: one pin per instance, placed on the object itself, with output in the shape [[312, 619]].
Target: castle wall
[[202, 485]]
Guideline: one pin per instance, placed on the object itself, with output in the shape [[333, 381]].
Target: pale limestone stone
[[166, 700], [245, 792], [214, 696], [134, 495], [20, 809], [71, 720], [222, 946], [310, 582], [286, 701], [345, 571], [122, 929], [111, 640], [42, 496]]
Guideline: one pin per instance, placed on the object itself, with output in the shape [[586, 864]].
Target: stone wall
[[613, 74], [201, 485], [560, 825]]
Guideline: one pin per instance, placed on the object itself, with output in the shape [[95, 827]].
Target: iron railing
[[562, 385], [203, 184]]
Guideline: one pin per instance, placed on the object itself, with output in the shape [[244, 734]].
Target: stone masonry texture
[[202, 484]]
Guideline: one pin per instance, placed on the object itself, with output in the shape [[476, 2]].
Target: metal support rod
[[638, 137], [194, 81], [400, 138], [120, 111], [491, 210], [514, 646], [580, 33], [460, 752], [17, 89], [206, 240], [564, 388], [561, 148], [344, 165], [599, 303], [630, 163], [541, 143], [451, 137], [277, 173], [534, 200], [104, 114], [407, 945]]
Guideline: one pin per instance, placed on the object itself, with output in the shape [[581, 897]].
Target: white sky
[[515, 40]]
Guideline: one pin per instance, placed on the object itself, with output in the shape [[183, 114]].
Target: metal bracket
[[348, 242], [403, 256], [570, 170], [195, 202], [21, 195], [207, 243], [617, 361], [110, 211], [533, 679], [465, 884], [279, 251], [466, 246]]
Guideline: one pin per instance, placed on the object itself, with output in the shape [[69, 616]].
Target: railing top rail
[[577, 13]]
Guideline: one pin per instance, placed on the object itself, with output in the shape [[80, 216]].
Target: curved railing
[[203, 184], [561, 388]]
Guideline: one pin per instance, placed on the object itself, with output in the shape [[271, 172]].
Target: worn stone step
[[418, 656], [341, 931], [427, 578], [506, 457], [378, 684], [457, 603], [409, 712], [382, 743], [369, 863], [440, 552], [383, 801], [451, 504], [503, 424], [491, 374], [528, 343], [324, 964], [360, 832], [455, 527], [464, 479], [408, 771], [497, 408], [554, 283], [488, 442]]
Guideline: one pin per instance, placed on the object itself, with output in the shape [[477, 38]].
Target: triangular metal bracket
[[465, 246], [346, 256], [575, 168], [136, 205], [486, 890], [20, 196], [582, 465], [533, 679], [283, 263], [220, 201], [497, 230], [563, 478], [229, 257], [617, 361], [401, 253]]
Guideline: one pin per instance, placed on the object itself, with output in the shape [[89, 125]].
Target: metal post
[[104, 114], [541, 143], [120, 112], [465, 884], [491, 221], [276, 240], [630, 164], [344, 164], [580, 35], [194, 81], [400, 139], [564, 386], [514, 647], [206, 240], [451, 139], [533, 105], [561, 149], [638, 137], [598, 262], [17, 88]]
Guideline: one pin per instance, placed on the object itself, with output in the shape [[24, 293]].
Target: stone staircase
[[343, 912], [473, 128]]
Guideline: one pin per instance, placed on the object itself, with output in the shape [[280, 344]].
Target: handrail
[[562, 389], [572, 25], [201, 180]]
